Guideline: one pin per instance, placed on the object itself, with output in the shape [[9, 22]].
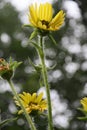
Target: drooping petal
[[57, 21]]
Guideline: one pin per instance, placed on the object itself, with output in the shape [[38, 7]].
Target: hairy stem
[[45, 77], [28, 118]]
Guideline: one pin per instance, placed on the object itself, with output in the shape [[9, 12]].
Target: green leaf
[[82, 118], [36, 67], [8, 121], [52, 39], [14, 64]]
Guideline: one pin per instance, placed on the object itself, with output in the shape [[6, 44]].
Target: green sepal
[[8, 121], [8, 75], [82, 110], [42, 114], [42, 32], [52, 67], [33, 34], [52, 38], [36, 67], [14, 64]]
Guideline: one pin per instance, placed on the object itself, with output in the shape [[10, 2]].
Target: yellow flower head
[[42, 17], [84, 103], [32, 102]]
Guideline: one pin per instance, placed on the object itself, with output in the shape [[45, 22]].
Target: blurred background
[[68, 80]]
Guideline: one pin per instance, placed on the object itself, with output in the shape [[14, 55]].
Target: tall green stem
[[45, 77], [28, 118]]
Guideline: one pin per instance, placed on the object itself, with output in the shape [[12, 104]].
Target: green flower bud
[[7, 68]]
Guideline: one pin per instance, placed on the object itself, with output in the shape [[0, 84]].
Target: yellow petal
[[39, 24], [17, 103], [28, 110], [41, 12], [33, 13], [26, 97], [44, 27], [84, 103], [45, 12], [22, 96], [33, 97], [58, 20], [39, 98], [43, 102], [49, 12]]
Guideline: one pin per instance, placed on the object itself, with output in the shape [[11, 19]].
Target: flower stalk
[[28, 118], [45, 78]]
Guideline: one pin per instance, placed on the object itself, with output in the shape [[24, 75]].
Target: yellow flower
[[84, 103], [32, 102], [42, 17]]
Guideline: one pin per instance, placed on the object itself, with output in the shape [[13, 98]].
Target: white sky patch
[[72, 44], [84, 92], [84, 51], [84, 66], [5, 38], [4, 87], [60, 112], [23, 4], [71, 67], [72, 9]]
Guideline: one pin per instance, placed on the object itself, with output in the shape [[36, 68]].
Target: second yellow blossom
[[32, 102]]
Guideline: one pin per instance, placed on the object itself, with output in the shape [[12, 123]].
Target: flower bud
[[7, 68]]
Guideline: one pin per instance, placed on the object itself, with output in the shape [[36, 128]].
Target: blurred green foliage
[[71, 82]]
